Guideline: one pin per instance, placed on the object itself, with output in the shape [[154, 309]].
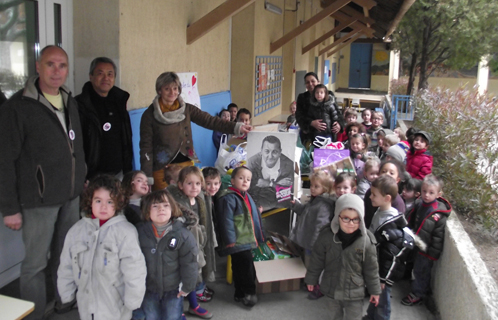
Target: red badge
[[436, 217]]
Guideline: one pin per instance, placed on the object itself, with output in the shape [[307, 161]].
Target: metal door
[[359, 65]]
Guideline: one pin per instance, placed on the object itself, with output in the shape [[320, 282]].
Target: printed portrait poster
[[190, 92], [270, 156]]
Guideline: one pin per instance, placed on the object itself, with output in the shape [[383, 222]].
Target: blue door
[[359, 65]]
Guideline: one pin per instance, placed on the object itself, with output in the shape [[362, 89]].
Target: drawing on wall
[[190, 92], [380, 62], [271, 159]]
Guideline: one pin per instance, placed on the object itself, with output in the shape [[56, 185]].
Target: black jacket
[[92, 128], [42, 163], [327, 112], [432, 226], [171, 261]]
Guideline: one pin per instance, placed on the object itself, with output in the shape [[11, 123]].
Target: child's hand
[[382, 286], [310, 287], [374, 299], [245, 128], [181, 294]]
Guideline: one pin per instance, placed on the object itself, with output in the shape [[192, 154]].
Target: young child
[[358, 146], [344, 183], [346, 254], [101, 262], [398, 152], [394, 242], [322, 108], [233, 108], [212, 177], [188, 194], [135, 186], [396, 170], [291, 120], [418, 159], [225, 115], [239, 230], [171, 173], [370, 173], [411, 191], [351, 129], [314, 215], [388, 141], [427, 219], [400, 133], [377, 120], [350, 115], [366, 115], [244, 116], [170, 253]]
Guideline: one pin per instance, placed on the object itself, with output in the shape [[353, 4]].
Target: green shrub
[[464, 127]]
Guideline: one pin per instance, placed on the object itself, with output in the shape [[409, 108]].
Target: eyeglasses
[[348, 220]]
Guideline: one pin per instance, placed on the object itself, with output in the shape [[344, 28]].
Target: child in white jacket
[[101, 262]]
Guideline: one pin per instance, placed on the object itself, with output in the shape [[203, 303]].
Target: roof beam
[[341, 40], [334, 7], [329, 34], [355, 14], [343, 45], [369, 4], [369, 32], [208, 22], [401, 13]]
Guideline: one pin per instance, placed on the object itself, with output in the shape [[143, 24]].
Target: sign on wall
[[190, 93]]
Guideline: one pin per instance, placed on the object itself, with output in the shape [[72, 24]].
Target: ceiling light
[[273, 8]]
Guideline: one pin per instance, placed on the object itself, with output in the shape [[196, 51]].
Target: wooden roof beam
[[341, 40], [369, 32], [343, 45], [208, 22], [369, 4], [401, 13], [348, 11], [329, 34], [334, 7]]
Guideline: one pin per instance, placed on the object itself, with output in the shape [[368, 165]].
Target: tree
[[453, 33]]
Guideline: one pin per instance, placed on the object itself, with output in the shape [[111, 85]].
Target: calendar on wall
[[268, 91]]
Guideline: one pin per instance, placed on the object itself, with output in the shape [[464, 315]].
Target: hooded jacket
[[42, 162], [104, 268], [327, 112], [419, 163], [347, 271], [432, 227], [312, 217], [164, 135], [171, 261], [92, 127]]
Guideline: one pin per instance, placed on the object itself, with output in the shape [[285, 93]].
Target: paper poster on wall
[[271, 159], [263, 77], [190, 92]]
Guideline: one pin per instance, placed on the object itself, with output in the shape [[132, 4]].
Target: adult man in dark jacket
[[42, 170], [105, 122]]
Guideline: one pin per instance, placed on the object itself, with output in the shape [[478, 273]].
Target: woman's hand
[[245, 128], [336, 127], [319, 125]]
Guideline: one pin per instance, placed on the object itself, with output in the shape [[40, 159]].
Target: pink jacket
[[419, 163]]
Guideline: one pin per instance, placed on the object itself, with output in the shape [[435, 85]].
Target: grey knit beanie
[[349, 201], [397, 153]]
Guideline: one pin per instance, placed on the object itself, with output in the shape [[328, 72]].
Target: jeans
[[383, 309], [43, 231], [167, 307], [422, 268], [199, 288]]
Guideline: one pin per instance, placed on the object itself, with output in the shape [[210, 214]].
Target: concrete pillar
[[394, 61], [483, 75]]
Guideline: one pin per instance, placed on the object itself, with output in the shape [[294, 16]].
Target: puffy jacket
[[237, 228], [104, 267], [171, 261], [42, 163], [92, 128], [431, 229], [327, 112], [419, 163], [345, 272], [312, 217], [164, 135]]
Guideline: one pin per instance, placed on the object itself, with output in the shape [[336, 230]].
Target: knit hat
[[426, 136], [396, 152]]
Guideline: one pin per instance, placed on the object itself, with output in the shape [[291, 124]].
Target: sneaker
[[208, 291], [411, 300], [200, 312], [250, 300], [316, 293], [203, 297]]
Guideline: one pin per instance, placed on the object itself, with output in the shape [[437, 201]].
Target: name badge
[[107, 126]]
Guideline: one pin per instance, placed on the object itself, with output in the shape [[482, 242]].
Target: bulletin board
[[268, 91]]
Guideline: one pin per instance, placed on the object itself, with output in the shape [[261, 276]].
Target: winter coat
[[237, 228], [312, 217], [304, 118], [419, 163], [363, 186], [104, 267], [325, 111], [92, 128], [204, 203], [164, 135], [432, 228], [172, 260], [394, 244], [42, 162], [370, 210], [347, 271]]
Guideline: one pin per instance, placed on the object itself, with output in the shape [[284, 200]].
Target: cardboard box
[[283, 244], [279, 275]]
